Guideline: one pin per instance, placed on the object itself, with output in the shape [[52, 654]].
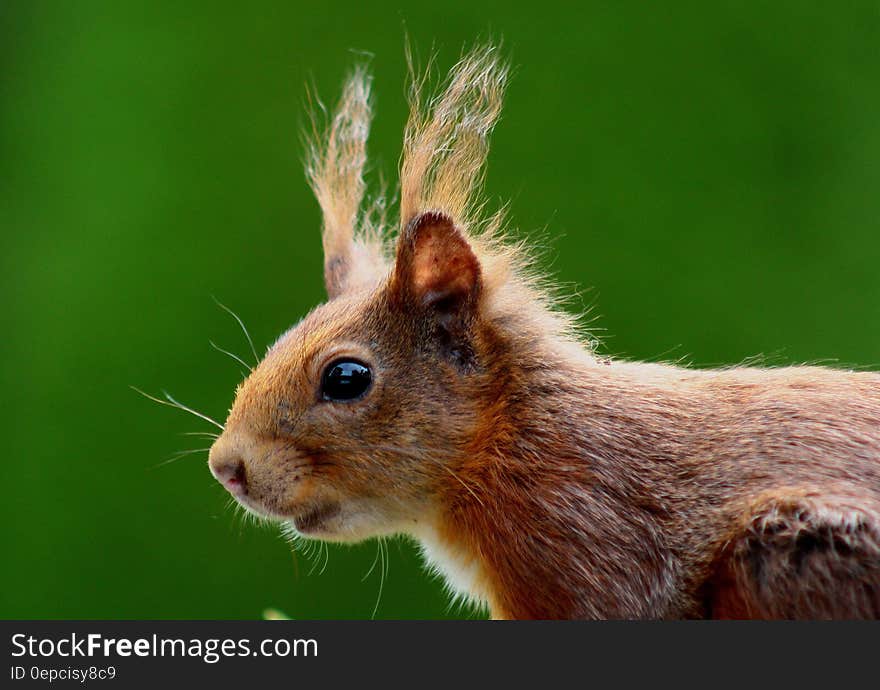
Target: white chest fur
[[460, 571]]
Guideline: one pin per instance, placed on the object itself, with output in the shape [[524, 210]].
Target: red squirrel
[[441, 393]]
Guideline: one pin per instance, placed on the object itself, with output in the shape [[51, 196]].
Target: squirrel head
[[345, 425], [357, 416]]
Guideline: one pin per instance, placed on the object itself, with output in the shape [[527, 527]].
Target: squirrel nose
[[228, 468]]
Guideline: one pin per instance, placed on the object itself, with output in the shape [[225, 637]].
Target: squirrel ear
[[436, 267]]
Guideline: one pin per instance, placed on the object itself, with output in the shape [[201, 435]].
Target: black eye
[[345, 379]]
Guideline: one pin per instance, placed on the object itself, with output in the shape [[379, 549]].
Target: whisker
[[200, 434], [373, 565], [307, 464], [186, 408], [313, 558], [240, 323], [431, 456], [231, 354], [409, 454], [312, 551], [232, 504], [462, 482], [326, 558], [191, 451], [171, 402], [383, 557], [179, 455], [242, 515]]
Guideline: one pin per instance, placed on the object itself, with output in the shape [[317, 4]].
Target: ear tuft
[[436, 266], [353, 252]]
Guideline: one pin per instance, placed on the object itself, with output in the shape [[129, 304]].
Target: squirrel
[[442, 393]]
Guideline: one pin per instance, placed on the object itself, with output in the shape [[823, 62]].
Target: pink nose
[[228, 468]]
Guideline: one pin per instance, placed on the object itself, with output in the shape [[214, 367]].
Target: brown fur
[[541, 479]]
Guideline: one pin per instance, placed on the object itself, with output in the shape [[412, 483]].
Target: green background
[[707, 173]]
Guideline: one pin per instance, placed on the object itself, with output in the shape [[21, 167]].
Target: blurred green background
[[709, 173]]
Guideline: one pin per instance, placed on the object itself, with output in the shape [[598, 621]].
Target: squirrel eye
[[345, 379]]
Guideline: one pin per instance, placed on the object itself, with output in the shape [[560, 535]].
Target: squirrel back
[[441, 393]]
